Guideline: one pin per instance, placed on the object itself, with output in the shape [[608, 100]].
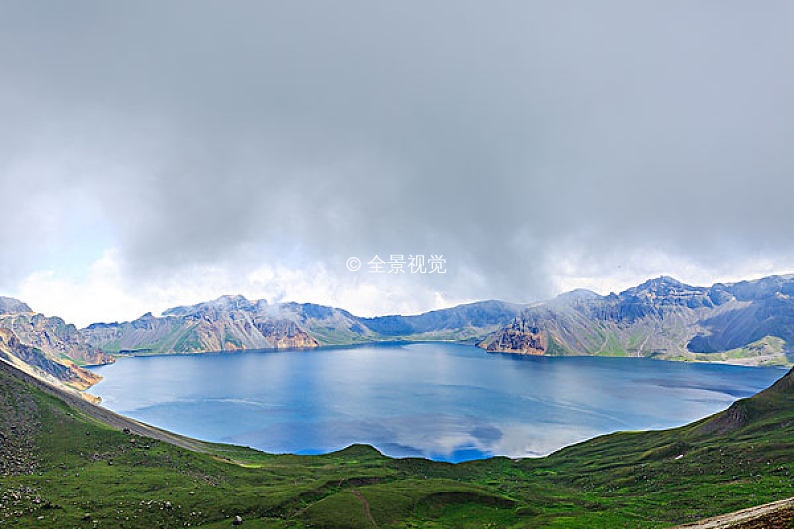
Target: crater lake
[[443, 401]]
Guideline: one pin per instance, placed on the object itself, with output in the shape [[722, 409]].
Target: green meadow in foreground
[[66, 463]]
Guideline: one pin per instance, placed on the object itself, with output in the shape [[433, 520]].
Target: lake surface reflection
[[442, 401]]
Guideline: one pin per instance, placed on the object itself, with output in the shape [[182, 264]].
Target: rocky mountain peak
[[747, 322], [576, 296], [12, 305], [231, 300], [7, 337], [224, 303], [668, 291], [659, 286]]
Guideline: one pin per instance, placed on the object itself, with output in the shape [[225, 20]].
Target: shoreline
[[779, 371], [142, 353]]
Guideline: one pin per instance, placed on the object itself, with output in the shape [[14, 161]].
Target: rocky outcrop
[[34, 361], [46, 346], [54, 337], [751, 322], [286, 334], [11, 305], [520, 338]]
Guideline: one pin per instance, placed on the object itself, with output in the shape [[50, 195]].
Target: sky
[[157, 153]]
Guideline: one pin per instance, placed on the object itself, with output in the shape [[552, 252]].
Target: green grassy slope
[[63, 465]]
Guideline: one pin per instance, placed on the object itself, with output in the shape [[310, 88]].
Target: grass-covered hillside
[[68, 463]]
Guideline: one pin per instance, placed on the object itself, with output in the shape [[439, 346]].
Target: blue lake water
[[443, 401]]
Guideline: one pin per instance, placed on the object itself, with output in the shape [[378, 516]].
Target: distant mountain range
[[235, 323], [750, 322], [50, 348], [46, 346]]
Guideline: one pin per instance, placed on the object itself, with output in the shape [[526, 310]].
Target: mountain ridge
[[747, 322], [236, 323]]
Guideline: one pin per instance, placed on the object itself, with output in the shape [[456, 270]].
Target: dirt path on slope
[[365, 504], [775, 515]]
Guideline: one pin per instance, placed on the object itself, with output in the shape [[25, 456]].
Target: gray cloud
[[509, 136]]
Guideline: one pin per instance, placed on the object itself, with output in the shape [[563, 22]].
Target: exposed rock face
[[12, 305], [53, 336], [228, 323], [46, 346], [518, 337], [751, 322], [286, 334], [34, 361]]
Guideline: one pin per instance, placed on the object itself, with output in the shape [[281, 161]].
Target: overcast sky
[[162, 153]]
